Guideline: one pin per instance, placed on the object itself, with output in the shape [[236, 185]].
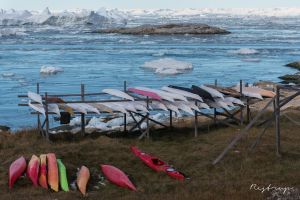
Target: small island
[[167, 29]]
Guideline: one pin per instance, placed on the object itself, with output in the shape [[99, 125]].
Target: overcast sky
[[127, 4]]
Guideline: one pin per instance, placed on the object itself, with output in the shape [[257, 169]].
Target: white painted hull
[[183, 93], [35, 97], [77, 107], [184, 107], [118, 93], [54, 108], [37, 107], [213, 92]]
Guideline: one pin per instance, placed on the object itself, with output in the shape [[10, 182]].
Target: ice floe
[[50, 70], [244, 51], [168, 66]]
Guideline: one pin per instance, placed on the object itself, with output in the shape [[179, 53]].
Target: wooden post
[[82, 115], [247, 107], [148, 132], [125, 116], [47, 115], [215, 110], [171, 119], [241, 98], [38, 115], [196, 121], [277, 121]]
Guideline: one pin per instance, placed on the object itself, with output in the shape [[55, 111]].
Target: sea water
[[257, 49]]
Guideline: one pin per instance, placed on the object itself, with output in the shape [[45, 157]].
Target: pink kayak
[[16, 169], [145, 93], [116, 176], [33, 170]]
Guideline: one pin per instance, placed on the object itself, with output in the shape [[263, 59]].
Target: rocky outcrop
[[295, 65], [167, 29], [291, 78]]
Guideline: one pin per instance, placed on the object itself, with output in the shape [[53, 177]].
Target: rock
[[291, 78], [295, 65], [167, 29], [4, 128]]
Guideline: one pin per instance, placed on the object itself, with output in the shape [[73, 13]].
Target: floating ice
[[244, 51], [50, 70], [168, 66], [8, 74]]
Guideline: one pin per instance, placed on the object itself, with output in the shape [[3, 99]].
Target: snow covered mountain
[[105, 16], [64, 18]]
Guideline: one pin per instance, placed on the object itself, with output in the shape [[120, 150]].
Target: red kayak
[[16, 169], [116, 176], [157, 164], [33, 169]]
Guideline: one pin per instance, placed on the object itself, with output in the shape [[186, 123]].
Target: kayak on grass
[[82, 179], [33, 169], [43, 171], [62, 176], [157, 164], [117, 177], [16, 169], [52, 171]]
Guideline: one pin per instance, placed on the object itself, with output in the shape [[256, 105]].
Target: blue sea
[[257, 49]]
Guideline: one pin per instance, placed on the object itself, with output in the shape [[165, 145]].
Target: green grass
[[230, 179]]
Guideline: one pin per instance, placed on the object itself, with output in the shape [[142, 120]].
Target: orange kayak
[[82, 179], [52, 172], [16, 169], [43, 171], [33, 170]]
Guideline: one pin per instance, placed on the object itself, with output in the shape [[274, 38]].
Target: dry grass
[[230, 179]]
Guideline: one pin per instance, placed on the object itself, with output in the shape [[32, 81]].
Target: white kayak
[[203, 105], [158, 105], [193, 106], [37, 107], [77, 107], [234, 100], [35, 97], [139, 106], [228, 103], [127, 105], [213, 92], [183, 93], [118, 93], [171, 94], [171, 107], [182, 106], [90, 108], [115, 107], [247, 93], [102, 107], [162, 94], [54, 108], [219, 104]]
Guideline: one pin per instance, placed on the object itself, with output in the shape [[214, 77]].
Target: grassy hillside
[[230, 179]]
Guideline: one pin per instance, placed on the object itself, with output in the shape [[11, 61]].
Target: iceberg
[[244, 51], [168, 66], [48, 70]]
